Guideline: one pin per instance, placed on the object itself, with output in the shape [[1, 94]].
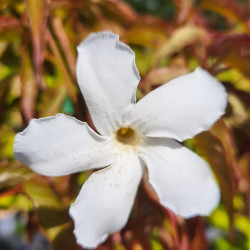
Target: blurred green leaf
[[42, 194], [220, 218], [53, 216], [236, 78], [38, 42]]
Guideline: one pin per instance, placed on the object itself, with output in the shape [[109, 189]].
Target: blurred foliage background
[[38, 40]]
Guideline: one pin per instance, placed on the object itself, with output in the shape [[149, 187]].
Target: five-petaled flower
[[132, 136]]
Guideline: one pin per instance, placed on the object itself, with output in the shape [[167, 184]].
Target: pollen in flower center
[[127, 136]]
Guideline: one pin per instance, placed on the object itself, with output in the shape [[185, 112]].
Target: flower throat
[[127, 136]]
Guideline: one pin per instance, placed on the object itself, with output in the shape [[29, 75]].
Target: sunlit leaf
[[146, 36], [6, 142], [220, 218], [181, 38], [238, 113], [236, 78], [17, 202], [11, 174]]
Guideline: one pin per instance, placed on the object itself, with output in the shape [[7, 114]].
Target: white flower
[[133, 135]]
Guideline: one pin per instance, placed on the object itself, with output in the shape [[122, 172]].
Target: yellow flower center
[[127, 136]]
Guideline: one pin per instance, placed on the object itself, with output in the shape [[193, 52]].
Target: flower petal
[[61, 145], [183, 180], [105, 201], [108, 78], [181, 108]]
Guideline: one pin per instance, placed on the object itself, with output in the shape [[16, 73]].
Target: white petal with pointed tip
[[61, 145], [105, 201], [183, 180], [108, 78], [181, 108]]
